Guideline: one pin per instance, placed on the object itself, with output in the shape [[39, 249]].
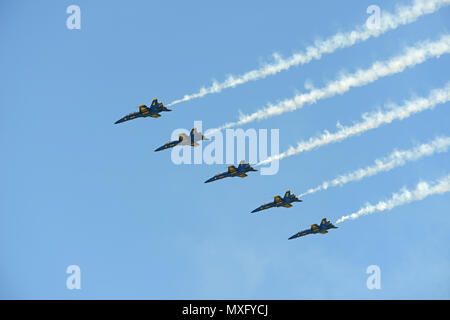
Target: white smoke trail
[[395, 159], [370, 121], [388, 21], [423, 190], [417, 54]]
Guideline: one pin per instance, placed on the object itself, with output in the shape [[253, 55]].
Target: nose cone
[[159, 149], [211, 179], [295, 236], [119, 121]]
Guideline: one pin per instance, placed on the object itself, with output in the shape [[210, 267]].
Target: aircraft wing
[[315, 228], [168, 145], [243, 175], [143, 108], [287, 205], [301, 234], [277, 199], [232, 169], [265, 206]]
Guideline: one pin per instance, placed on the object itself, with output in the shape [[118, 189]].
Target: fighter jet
[[145, 111], [280, 202], [185, 140], [240, 171], [324, 226]]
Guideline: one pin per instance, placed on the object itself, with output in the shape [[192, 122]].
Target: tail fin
[[155, 102], [242, 163], [287, 194]]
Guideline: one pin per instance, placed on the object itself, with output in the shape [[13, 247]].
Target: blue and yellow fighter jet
[[280, 202], [324, 226], [185, 140], [240, 171], [145, 111]]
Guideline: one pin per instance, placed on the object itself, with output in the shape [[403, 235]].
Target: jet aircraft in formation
[[280, 202], [322, 228], [240, 171], [185, 140], [144, 111]]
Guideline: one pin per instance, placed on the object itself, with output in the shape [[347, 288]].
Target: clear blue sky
[[76, 189]]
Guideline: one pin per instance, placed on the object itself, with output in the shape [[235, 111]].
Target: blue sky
[[77, 189]]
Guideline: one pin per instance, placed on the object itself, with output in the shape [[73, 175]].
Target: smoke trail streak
[[389, 21], [395, 159], [417, 54], [370, 121], [423, 190]]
